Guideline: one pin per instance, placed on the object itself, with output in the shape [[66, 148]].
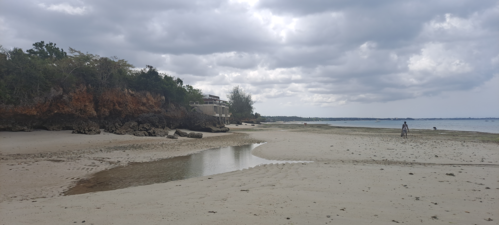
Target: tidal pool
[[204, 163]]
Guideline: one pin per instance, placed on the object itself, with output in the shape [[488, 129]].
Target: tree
[[22, 78], [240, 104], [47, 51], [25, 75], [194, 95]]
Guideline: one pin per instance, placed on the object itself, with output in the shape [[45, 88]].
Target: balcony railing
[[192, 103]]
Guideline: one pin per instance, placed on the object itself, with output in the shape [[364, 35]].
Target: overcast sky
[[332, 58]]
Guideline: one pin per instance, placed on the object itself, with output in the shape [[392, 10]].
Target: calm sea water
[[463, 125]]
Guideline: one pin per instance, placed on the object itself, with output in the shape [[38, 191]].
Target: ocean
[[489, 126]]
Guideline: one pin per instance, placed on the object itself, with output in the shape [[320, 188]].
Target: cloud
[[65, 8], [324, 53]]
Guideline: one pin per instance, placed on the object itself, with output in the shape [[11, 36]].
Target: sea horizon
[[487, 125]]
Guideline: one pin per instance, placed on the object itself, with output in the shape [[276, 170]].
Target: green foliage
[[30, 74], [240, 104], [193, 95], [149, 79], [99, 72], [22, 78], [259, 117], [46, 51]]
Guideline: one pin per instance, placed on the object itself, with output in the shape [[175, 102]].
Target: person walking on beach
[[405, 129]]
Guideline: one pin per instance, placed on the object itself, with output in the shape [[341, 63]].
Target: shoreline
[[50, 167], [352, 122], [358, 175]]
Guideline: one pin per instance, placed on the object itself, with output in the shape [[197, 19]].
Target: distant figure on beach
[[405, 129], [434, 128]]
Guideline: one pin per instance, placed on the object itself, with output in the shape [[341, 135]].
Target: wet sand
[[359, 176]]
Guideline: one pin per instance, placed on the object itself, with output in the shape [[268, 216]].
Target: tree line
[[25, 75]]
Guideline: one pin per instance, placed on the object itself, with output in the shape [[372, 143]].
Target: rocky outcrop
[[116, 111], [86, 127], [202, 122]]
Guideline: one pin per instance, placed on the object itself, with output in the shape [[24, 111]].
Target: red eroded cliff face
[[79, 104], [120, 103], [109, 109]]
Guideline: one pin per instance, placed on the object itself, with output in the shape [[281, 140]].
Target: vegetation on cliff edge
[[24, 76]]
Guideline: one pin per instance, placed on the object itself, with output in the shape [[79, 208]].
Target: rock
[[200, 122], [115, 110], [58, 122], [128, 128], [154, 120], [111, 125], [140, 133], [132, 125], [195, 135], [181, 133], [17, 127], [86, 127], [121, 131], [172, 136], [144, 127], [216, 129], [158, 132]]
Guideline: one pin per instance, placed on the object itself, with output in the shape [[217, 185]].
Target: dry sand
[[358, 176]]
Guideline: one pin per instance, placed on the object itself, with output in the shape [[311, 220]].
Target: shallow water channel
[[204, 163]]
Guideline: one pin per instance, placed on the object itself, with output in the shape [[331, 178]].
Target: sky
[[332, 58]]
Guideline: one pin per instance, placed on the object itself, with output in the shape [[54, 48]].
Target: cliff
[[119, 111]]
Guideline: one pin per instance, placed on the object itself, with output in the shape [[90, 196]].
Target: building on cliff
[[213, 106]]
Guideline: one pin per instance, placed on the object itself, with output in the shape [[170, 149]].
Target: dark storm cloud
[[322, 51]]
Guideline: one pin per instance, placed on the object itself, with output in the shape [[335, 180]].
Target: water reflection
[[208, 162]]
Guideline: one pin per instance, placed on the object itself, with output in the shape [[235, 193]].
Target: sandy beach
[[356, 176]]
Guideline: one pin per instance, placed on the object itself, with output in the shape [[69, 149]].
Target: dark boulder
[[112, 125], [217, 129], [153, 120], [86, 127], [172, 136], [144, 127], [158, 132], [128, 128], [139, 133], [21, 127], [181, 133], [195, 135]]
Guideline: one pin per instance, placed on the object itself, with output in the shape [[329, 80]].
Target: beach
[[352, 176]]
